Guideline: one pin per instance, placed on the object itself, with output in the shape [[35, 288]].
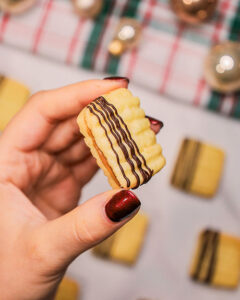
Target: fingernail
[[156, 125], [117, 78], [122, 204]]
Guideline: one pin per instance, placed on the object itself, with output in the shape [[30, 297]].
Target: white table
[[176, 218]]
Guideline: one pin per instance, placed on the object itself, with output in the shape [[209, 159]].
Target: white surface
[[176, 218]]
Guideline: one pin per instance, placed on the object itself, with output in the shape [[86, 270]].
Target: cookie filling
[[103, 158]]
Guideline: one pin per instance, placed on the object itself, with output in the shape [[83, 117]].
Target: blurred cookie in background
[[13, 95], [125, 245], [217, 259], [67, 290], [198, 168]]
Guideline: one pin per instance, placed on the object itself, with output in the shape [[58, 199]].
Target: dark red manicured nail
[[122, 204], [156, 125], [117, 78]]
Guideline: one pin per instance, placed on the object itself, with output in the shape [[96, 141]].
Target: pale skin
[[44, 164]]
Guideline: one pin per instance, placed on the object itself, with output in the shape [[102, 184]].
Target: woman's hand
[[44, 164]]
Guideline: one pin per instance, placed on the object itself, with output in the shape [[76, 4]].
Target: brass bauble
[[194, 11], [116, 48], [88, 8], [128, 32], [16, 6], [127, 36], [222, 67]]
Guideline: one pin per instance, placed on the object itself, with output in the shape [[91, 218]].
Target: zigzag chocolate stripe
[[117, 157], [127, 137], [111, 122], [132, 140], [111, 117], [208, 254]]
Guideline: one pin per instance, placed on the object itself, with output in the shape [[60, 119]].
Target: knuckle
[[73, 131], [83, 233], [39, 96]]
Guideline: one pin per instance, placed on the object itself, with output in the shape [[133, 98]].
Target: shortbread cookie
[[124, 246], [217, 259], [13, 95], [119, 136], [198, 168], [67, 290]]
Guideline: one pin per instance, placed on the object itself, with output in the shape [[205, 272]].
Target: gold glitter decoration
[[88, 8], [222, 67], [194, 11]]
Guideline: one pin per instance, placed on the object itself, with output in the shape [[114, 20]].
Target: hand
[[44, 164]]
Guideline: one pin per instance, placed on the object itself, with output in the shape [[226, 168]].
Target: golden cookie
[[198, 168], [13, 95], [125, 245], [67, 290], [119, 136], [217, 259]]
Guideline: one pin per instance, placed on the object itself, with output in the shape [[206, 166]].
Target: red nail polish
[[117, 78], [122, 204], [156, 125]]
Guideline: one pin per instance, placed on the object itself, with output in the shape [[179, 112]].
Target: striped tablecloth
[[169, 59]]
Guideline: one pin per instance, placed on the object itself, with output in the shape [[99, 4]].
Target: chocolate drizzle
[[123, 138], [187, 163], [108, 119], [191, 166], [213, 259], [117, 157], [204, 241], [131, 139], [208, 253]]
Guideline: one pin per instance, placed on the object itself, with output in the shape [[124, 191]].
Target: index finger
[[33, 124], [68, 101]]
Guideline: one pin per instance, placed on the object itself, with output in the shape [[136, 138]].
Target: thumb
[[61, 240]]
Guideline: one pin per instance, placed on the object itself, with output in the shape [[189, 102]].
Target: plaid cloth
[[169, 59]]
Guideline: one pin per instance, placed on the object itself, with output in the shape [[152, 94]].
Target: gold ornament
[[127, 36], [116, 47], [222, 67], [194, 11], [16, 6], [88, 8]]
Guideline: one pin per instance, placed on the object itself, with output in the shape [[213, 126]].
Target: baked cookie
[[217, 259], [13, 95], [124, 245], [198, 168], [119, 136], [67, 290]]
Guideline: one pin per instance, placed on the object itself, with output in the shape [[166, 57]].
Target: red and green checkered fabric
[[169, 59]]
